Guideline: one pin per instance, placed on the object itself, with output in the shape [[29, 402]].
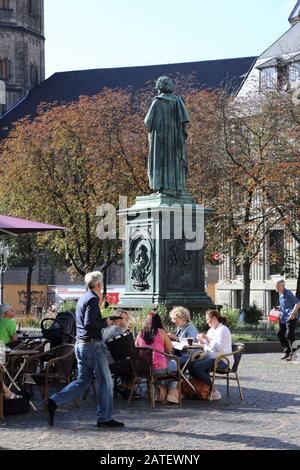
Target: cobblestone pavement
[[267, 419]]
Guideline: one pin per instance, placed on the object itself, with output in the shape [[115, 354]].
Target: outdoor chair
[[229, 373], [123, 351], [143, 370], [1, 393], [52, 367]]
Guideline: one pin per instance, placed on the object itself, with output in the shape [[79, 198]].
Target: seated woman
[[8, 326], [8, 394], [185, 328], [217, 341], [181, 317], [154, 336]]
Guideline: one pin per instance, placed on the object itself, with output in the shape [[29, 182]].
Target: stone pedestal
[[160, 267]]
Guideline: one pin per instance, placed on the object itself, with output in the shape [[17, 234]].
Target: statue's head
[[165, 85]]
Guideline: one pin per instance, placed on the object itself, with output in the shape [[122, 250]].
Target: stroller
[[59, 331], [56, 364]]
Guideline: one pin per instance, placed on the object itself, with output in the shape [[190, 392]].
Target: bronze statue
[[140, 269], [166, 122]]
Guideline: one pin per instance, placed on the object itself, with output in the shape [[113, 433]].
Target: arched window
[[4, 4], [34, 75], [4, 68], [294, 73]]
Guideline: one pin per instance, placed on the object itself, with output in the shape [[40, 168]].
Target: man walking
[[91, 358], [289, 306]]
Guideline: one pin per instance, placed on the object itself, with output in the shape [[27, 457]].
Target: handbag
[[274, 315], [202, 389], [17, 405]]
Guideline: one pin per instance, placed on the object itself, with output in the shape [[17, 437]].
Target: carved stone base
[[162, 264]]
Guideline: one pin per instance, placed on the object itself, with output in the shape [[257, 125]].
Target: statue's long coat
[[167, 164]]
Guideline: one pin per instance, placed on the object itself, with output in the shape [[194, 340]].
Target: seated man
[[119, 326], [122, 367], [8, 326]]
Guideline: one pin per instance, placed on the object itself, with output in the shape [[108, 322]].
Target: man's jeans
[[91, 362], [201, 368], [286, 335]]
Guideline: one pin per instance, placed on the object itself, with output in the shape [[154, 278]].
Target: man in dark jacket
[[91, 357]]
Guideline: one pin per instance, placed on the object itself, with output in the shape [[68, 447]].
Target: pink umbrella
[[15, 226]]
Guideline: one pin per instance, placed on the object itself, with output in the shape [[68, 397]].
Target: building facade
[[22, 49], [278, 66]]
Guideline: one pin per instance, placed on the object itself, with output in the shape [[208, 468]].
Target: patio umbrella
[[14, 226]]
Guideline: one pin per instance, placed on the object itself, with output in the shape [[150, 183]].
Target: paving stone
[[267, 419]]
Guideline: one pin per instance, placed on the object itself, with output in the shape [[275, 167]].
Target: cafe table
[[23, 354], [191, 350]]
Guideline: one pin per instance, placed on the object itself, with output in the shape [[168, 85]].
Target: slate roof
[[288, 43], [64, 87]]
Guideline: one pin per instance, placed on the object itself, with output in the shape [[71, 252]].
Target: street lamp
[[4, 254]]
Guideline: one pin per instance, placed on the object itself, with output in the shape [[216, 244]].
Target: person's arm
[[93, 322], [173, 337], [137, 341], [167, 342], [191, 332], [295, 310], [13, 332]]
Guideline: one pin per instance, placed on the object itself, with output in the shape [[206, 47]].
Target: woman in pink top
[[154, 336]]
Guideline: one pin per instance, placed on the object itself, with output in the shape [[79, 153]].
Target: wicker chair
[[51, 367], [1, 393], [230, 373], [143, 370]]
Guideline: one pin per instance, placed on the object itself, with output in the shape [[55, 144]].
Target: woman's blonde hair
[[180, 312]]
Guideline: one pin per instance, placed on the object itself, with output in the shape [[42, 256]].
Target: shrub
[[232, 315], [28, 322], [68, 306], [199, 321], [163, 311], [253, 314]]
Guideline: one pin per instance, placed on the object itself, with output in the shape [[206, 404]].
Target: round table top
[[22, 352]]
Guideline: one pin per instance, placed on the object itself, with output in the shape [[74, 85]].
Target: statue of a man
[[166, 122]]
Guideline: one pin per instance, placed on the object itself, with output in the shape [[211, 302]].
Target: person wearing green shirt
[[7, 325]]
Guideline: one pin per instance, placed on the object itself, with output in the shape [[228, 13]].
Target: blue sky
[[84, 34]]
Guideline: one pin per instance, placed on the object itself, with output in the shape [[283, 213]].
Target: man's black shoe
[[285, 356], [110, 424], [49, 410], [289, 358]]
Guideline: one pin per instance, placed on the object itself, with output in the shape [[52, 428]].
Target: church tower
[[22, 49]]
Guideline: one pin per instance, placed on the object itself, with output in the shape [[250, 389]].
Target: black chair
[[229, 373], [123, 351]]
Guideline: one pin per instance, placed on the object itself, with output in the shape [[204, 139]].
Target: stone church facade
[[22, 49]]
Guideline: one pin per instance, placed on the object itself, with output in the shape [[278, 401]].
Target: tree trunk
[[104, 292], [298, 283], [247, 284], [28, 290]]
